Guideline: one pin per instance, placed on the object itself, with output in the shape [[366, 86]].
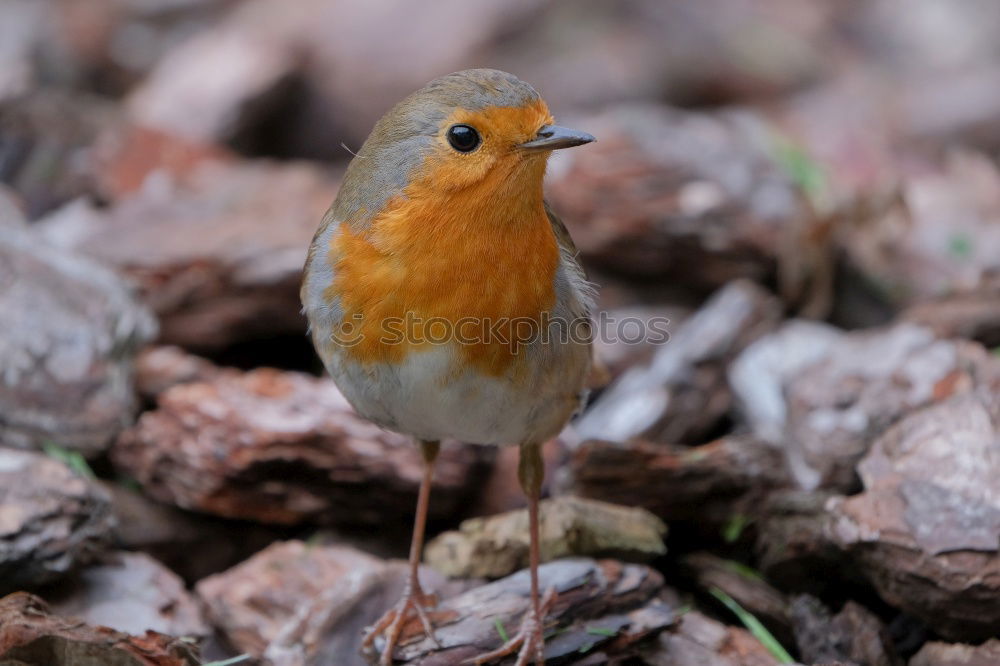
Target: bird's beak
[[551, 137]]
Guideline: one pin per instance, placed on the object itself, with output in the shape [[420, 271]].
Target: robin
[[446, 300]]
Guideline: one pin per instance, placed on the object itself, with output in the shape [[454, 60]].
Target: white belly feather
[[423, 397]]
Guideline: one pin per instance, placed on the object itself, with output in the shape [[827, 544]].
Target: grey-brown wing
[[572, 278], [570, 261]]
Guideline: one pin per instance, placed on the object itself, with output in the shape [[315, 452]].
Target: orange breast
[[479, 263]]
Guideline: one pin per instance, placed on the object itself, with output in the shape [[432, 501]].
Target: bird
[[447, 300]]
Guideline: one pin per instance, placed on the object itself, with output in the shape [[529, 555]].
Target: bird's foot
[[412, 606], [530, 638]]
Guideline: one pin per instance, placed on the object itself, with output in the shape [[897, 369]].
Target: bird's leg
[[530, 637], [414, 603]]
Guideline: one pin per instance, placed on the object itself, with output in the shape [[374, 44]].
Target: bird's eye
[[463, 138]]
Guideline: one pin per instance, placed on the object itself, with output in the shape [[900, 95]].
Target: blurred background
[[807, 190]]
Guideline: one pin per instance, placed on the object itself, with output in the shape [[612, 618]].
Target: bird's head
[[480, 132]]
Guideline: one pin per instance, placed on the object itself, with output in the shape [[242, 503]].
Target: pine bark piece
[[570, 526], [51, 520], [825, 408], [632, 335], [170, 535], [209, 86], [30, 635], [159, 367], [926, 530], [939, 237], [127, 156], [973, 316], [215, 264], [746, 586], [681, 396], [697, 640], [300, 604], [794, 544], [698, 198], [944, 654], [855, 635], [132, 593], [261, 600], [604, 608], [70, 329], [705, 484], [44, 138], [284, 448]]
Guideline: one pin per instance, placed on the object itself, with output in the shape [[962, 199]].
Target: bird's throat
[[486, 254]]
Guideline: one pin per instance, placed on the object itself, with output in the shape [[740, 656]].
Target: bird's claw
[[413, 605], [529, 638]]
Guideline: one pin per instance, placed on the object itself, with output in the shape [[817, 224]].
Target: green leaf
[[228, 662], [71, 459], [754, 626], [500, 629], [586, 647]]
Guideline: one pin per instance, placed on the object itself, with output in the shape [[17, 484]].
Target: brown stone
[[51, 520], [498, 545], [283, 448]]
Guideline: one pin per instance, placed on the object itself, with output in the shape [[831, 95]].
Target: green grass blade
[[228, 662], [734, 527], [601, 631], [72, 459], [754, 626], [500, 630]]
